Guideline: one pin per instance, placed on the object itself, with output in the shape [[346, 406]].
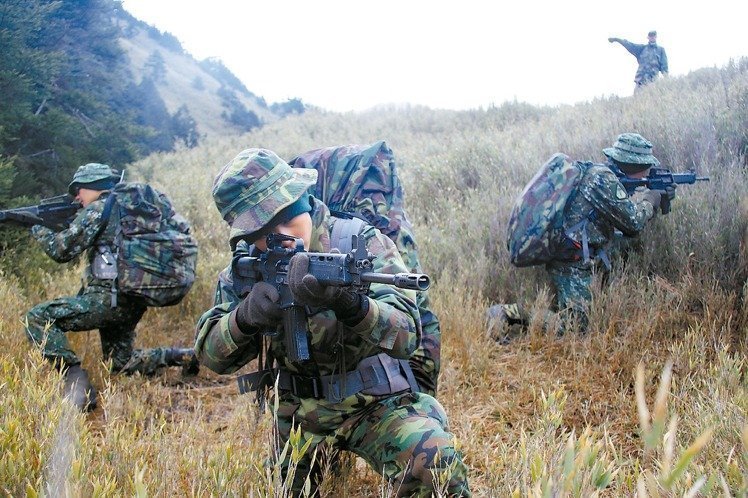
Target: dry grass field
[[651, 402]]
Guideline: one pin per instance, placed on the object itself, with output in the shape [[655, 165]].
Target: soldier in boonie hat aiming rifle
[[349, 385], [597, 206], [48, 323]]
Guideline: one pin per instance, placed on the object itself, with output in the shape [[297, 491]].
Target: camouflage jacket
[[80, 236], [651, 58], [392, 325], [602, 200]]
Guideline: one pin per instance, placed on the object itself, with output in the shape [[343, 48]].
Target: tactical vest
[[374, 375]]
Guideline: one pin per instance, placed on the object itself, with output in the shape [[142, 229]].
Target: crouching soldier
[[98, 305], [588, 205], [355, 392]]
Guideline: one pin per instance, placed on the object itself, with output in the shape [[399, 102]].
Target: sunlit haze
[[347, 55]]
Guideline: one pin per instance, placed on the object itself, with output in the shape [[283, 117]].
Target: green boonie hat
[[255, 186], [89, 173], [632, 148]]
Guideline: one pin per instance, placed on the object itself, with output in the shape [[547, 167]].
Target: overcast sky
[[347, 55]]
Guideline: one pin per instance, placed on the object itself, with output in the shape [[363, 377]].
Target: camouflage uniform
[[599, 208], [48, 322], [404, 435], [363, 179], [602, 200], [651, 58]]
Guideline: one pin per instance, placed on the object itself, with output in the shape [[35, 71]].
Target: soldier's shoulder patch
[[620, 192]]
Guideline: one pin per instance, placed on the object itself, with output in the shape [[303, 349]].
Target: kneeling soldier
[[398, 431], [49, 322]]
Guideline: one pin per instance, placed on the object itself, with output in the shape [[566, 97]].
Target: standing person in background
[[98, 305], [650, 56], [353, 392]]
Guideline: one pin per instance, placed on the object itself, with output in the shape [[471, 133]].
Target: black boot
[[184, 357], [78, 389]]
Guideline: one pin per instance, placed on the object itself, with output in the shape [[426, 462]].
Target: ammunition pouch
[[104, 264], [376, 375]]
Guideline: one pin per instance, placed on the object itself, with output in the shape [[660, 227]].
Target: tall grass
[[652, 402]]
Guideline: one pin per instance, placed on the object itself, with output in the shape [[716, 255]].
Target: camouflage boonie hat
[[632, 148], [255, 186], [89, 173]]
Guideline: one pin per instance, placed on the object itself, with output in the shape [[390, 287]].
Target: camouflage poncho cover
[[363, 179]]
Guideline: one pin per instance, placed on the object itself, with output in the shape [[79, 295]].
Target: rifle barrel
[[413, 281]]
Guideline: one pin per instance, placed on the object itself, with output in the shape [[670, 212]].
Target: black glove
[[654, 197], [259, 309], [348, 306]]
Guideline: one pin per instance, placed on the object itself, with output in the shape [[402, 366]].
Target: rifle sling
[[376, 375]]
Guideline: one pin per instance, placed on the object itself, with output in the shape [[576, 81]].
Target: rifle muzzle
[[412, 281]]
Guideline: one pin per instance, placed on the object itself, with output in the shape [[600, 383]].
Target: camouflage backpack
[[539, 210], [155, 253], [363, 180]]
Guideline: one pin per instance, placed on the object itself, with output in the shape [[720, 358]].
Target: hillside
[[86, 82], [183, 81], [653, 401]]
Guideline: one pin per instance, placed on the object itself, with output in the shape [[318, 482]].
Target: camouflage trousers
[[573, 295], [49, 323], [404, 437], [426, 360], [571, 284]]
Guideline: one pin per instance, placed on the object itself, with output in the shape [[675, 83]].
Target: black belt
[[375, 375]]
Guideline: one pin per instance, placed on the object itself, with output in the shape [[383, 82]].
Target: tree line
[[69, 97]]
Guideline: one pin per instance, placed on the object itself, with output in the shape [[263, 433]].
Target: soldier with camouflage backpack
[[353, 389], [139, 254], [566, 217], [362, 180]]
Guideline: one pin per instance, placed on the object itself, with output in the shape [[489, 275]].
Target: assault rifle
[[54, 212], [353, 270], [661, 179]]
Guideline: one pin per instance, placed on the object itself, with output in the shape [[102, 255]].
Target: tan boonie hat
[[632, 148], [255, 186]]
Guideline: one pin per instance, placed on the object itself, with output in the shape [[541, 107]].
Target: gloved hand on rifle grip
[[348, 306], [260, 308], [654, 197], [305, 287]]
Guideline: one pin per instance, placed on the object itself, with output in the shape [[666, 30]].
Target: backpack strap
[[585, 238], [345, 227], [586, 253], [109, 206]]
